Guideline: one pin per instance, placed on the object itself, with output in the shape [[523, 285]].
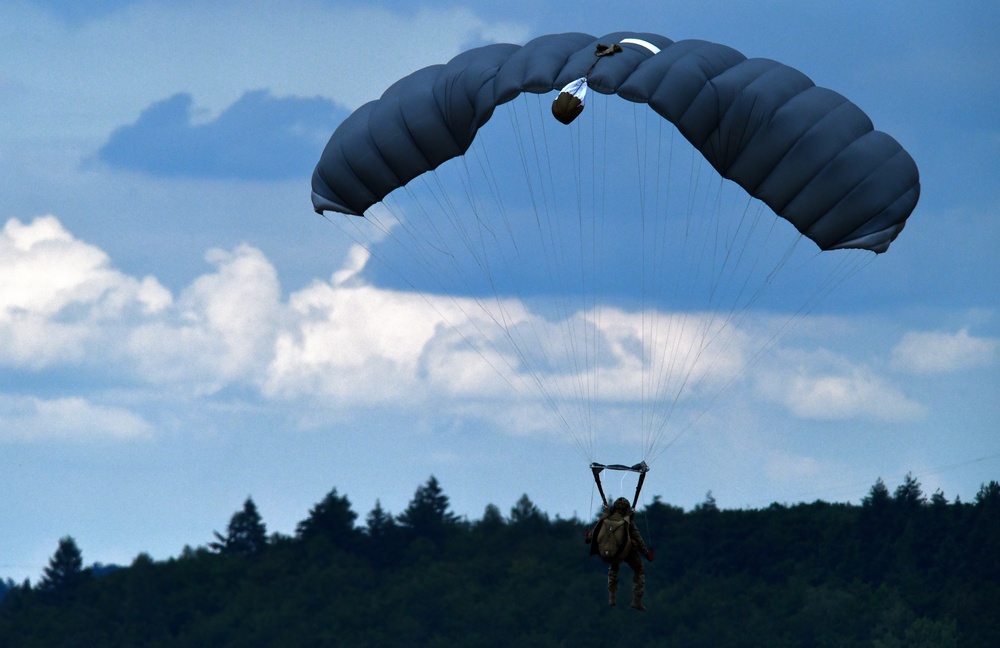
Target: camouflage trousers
[[638, 579]]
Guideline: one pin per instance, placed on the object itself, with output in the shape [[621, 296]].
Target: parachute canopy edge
[[322, 204]]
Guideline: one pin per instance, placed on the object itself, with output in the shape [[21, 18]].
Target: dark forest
[[899, 568]]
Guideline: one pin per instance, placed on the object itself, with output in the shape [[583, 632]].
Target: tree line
[[897, 569]]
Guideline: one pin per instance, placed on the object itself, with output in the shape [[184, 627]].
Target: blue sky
[[179, 330]]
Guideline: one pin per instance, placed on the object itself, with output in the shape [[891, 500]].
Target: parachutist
[[615, 539], [805, 151]]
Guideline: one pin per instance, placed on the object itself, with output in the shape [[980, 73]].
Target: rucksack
[[613, 539]]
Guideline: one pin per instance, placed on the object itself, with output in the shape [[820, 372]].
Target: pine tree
[[332, 519], [246, 533], [988, 495], [878, 497], [382, 537], [492, 518], [379, 524], [525, 512], [709, 505], [427, 515], [908, 495], [65, 568]]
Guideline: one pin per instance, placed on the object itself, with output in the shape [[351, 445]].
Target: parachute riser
[[640, 468]]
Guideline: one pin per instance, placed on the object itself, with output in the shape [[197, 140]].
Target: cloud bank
[[340, 344]]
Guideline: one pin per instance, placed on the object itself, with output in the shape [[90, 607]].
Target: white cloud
[[221, 329], [62, 303], [923, 353], [346, 343], [59, 297], [360, 344], [27, 418], [682, 352], [820, 386], [343, 343]]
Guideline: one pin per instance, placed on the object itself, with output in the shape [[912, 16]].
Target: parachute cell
[[807, 152]]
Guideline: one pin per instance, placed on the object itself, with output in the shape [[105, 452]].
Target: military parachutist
[[615, 538]]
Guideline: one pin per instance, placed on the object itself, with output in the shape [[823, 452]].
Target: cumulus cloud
[[30, 419], [60, 297], [344, 343], [221, 329], [820, 386], [359, 344], [928, 352], [63, 304], [260, 137]]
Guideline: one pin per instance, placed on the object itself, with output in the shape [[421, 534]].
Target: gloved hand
[[649, 554]]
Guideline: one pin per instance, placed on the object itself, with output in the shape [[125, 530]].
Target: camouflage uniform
[[633, 558]]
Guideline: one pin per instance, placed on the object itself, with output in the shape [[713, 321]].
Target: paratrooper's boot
[[612, 587], [638, 588]]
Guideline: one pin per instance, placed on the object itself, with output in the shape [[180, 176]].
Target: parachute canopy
[[806, 151]]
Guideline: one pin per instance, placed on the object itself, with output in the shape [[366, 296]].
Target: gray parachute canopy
[[810, 154]]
